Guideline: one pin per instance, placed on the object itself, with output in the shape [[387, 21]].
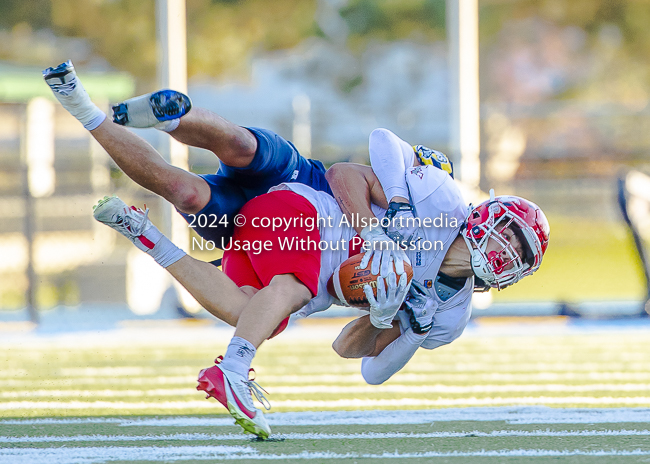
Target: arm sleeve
[[390, 156], [378, 369]]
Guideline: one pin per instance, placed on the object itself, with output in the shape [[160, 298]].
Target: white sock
[[78, 103], [89, 114], [164, 251], [239, 356], [95, 121], [168, 126]]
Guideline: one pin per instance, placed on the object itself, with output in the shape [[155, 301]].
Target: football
[[348, 280]]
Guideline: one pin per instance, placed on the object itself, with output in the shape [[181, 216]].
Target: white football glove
[[383, 251], [388, 301], [421, 308]]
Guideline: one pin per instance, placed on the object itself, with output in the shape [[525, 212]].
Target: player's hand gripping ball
[[348, 280]]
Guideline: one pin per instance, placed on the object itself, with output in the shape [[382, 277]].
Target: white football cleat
[[235, 392], [152, 109], [131, 222], [69, 91]]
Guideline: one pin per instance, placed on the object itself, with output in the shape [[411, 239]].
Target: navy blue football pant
[[276, 161]]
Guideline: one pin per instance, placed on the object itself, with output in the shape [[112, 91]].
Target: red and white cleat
[[235, 392], [129, 221]]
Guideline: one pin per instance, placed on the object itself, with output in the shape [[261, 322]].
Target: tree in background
[[222, 35]]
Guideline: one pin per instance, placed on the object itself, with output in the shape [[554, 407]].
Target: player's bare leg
[[284, 295], [169, 111], [232, 144], [188, 192], [213, 289], [228, 381], [144, 165]]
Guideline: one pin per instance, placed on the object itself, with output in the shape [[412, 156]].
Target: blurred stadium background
[[564, 92], [90, 327]]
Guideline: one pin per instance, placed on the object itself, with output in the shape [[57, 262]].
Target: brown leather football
[[348, 280]]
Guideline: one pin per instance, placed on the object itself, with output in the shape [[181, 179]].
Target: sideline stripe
[[512, 415], [325, 436], [352, 403], [88, 455]]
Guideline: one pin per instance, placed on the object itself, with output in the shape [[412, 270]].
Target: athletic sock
[[239, 356], [164, 251], [78, 103], [94, 122]]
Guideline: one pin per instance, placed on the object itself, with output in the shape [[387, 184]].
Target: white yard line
[[351, 403], [474, 368], [460, 389], [323, 436], [286, 380], [514, 415], [125, 371], [320, 389], [178, 453], [158, 392]]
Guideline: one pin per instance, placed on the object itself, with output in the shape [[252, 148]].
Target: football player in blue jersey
[[252, 159]]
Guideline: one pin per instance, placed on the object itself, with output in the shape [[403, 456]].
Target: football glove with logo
[[383, 251], [421, 308], [388, 301]]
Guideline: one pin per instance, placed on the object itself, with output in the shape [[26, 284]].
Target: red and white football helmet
[[487, 221]]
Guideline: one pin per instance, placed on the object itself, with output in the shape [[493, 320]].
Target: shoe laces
[[257, 390], [130, 219]]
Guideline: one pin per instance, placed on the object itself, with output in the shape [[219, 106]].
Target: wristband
[[395, 207]]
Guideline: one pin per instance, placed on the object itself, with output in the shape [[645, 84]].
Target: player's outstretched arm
[[361, 338], [139, 160], [377, 369], [390, 157], [384, 352]]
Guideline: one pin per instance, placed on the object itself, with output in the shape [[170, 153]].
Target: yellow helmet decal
[[430, 157]]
